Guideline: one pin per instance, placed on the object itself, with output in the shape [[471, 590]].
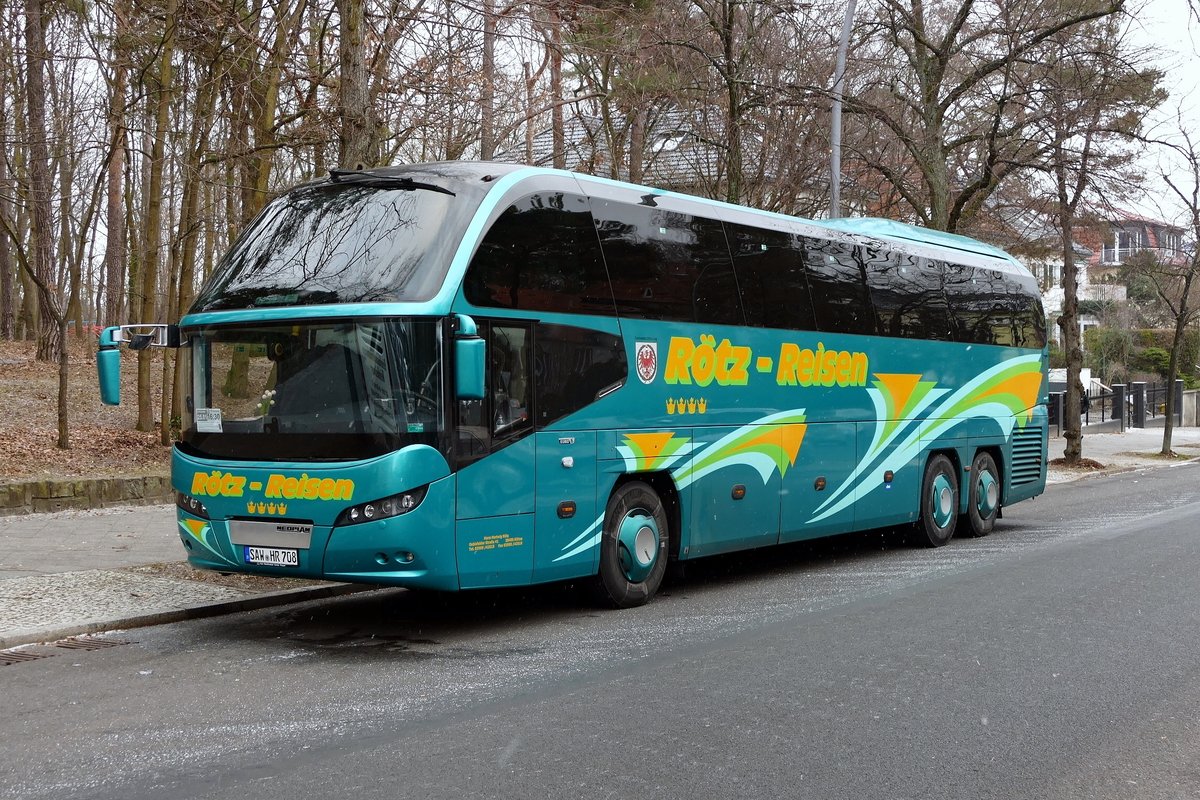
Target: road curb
[[1111, 470], [250, 603]]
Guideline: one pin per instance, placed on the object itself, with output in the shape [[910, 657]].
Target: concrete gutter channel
[[117, 566], [161, 614]]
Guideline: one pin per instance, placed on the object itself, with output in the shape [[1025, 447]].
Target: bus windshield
[[327, 390], [359, 241]]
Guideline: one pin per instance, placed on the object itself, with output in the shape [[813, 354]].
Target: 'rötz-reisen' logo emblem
[[647, 361]]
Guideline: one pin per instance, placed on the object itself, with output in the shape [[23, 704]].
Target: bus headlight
[[191, 505], [392, 506]]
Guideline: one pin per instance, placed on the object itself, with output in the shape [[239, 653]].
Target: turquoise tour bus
[[466, 375]]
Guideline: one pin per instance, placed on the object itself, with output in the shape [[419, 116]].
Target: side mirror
[[138, 337], [470, 355], [108, 368]]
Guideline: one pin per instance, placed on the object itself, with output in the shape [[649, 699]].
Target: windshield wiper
[[384, 181]]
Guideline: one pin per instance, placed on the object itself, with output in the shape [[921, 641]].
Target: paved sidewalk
[[76, 572], [1136, 448]]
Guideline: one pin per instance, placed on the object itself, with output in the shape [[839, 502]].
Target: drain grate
[[10, 657], [86, 643]]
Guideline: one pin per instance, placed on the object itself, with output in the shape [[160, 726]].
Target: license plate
[[272, 556]]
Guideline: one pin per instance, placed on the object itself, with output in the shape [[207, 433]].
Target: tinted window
[[907, 294], [541, 255], [339, 243], [970, 301], [572, 366], [315, 390], [838, 281], [667, 265], [505, 415], [770, 273], [993, 307]]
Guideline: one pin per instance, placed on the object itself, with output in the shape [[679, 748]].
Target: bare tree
[[1094, 98], [1176, 283], [152, 224], [947, 118]]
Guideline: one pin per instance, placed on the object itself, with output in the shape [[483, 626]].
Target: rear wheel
[[939, 503], [634, 546], [984, 501]]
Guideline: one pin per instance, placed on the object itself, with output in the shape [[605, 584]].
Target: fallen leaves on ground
[[1082, 464], [103, 440]]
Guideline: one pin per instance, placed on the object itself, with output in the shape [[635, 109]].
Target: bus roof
[[461, 172], [893, 230]]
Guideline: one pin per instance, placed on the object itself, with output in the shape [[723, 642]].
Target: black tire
[[625, 579], [983, 503], [939, 503]]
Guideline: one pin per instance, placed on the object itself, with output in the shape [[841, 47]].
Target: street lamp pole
[[835, 138]]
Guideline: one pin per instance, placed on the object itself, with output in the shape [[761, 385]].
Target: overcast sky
[[1167, 26]]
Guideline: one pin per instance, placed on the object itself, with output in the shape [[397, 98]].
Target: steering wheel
[[415, 399]]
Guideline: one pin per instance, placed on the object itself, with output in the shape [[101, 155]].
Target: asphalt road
[[1057, 658]]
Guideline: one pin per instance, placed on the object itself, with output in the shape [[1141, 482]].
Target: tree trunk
[[153, 222], [49, 334], [183, 254], [1182, 317], [355, 139], [637, 145], [7, 263], [114, 245], [529, 84], [487, 99], [1069, 327], [556, 91]]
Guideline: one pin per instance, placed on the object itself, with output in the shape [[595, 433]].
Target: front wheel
[[983, 505], [634, 546], [939, 503]]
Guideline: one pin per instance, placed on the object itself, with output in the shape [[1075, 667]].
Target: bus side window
[[668, 265], [770, 275], [510, 379], [982, 314], [573, 366], [506, 413], [907, 294], [542, 254], [838, 281]]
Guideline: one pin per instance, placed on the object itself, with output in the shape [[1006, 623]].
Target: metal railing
[[1100, 407], [1131, 405], [1156, 400]]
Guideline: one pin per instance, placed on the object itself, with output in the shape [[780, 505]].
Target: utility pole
[[835, 137]]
